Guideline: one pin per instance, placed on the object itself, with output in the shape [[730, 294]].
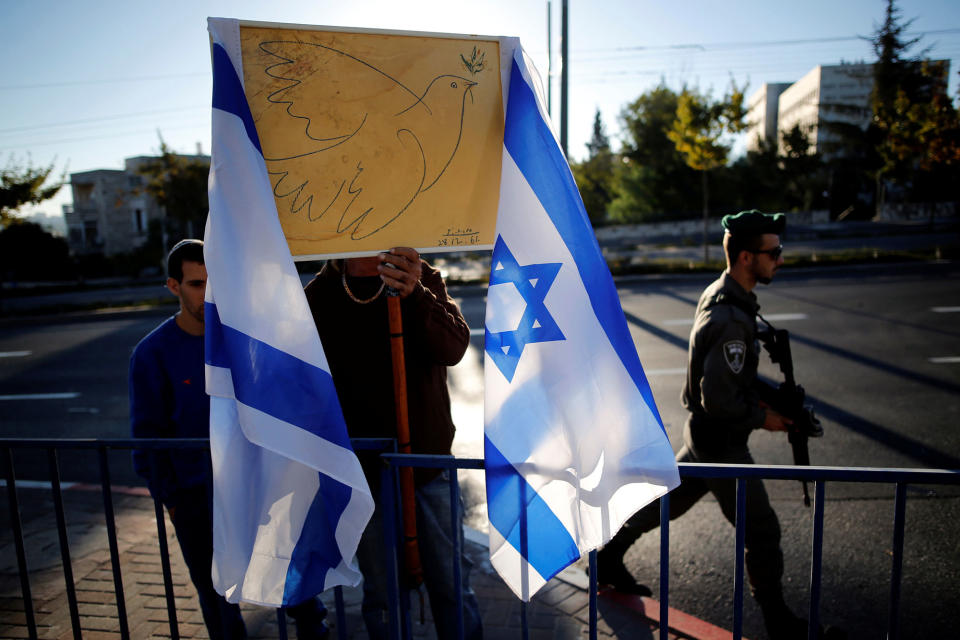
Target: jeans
[[434, 534], [193, 523]]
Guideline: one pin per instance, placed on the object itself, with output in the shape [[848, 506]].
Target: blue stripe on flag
[[549, 547], [317, 546], [532, 146], [275, 382], [228, 93]]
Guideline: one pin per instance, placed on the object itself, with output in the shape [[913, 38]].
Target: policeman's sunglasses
[[773, 253]]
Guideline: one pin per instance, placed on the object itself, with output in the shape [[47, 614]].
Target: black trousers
[[762, 556]]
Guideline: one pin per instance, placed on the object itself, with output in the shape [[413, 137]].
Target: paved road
[[877, 351], [876, 348]]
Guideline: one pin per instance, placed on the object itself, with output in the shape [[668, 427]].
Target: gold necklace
[[343, 278]]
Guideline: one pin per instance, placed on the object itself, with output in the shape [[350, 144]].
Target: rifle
[[788, 398]]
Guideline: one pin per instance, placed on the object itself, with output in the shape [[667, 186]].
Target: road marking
[[14, 354], [37, 484], [773, 317], [666, 372], [945, 309], [786, 317], [945, 360], [92, 410], [42, 396]]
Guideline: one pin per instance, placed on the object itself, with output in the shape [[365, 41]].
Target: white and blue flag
[[290, 498], [574, 444]]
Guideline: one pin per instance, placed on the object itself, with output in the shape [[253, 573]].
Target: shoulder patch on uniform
[[734, 352]]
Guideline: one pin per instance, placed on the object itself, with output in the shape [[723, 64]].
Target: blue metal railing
[[399, 609]]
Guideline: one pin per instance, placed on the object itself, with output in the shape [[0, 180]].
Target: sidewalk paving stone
[[559, 611]]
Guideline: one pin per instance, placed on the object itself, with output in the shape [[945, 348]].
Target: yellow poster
[[375, 140]]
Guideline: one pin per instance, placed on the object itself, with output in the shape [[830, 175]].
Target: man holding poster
[[461, 117], [349, 305]]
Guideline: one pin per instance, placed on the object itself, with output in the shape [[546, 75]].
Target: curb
[[678, 622]]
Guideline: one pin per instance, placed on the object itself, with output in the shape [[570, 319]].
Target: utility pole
[[549, 61], [564, 39]]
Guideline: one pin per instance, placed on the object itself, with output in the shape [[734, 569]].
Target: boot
[[308, 618], [780, 621], [611, 571]]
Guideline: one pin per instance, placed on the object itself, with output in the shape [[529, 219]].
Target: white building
[[111, 210], [762, 110], [837, 93]]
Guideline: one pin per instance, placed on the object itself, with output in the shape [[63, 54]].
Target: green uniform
[[720, 393]]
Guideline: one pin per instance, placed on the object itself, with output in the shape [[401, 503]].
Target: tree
[[651, 180], [29, 252], [21, 184], [179, 184], [802, 170], [698, 132], [915, 124], [594, 175]]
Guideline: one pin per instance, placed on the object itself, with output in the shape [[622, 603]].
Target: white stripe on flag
[[282, 531], [574, 444]]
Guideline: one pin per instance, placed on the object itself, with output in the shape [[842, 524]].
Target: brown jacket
[[356, 342]]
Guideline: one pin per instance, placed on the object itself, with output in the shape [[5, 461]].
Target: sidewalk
[[560, 610]]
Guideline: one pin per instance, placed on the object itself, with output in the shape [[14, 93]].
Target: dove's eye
[[453, 84]]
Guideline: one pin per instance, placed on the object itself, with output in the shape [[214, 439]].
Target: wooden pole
[[407, 500]]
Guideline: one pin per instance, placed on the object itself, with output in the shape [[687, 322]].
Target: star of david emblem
[[532, 282]]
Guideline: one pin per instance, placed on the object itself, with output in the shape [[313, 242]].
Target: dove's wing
[[352, 188], [319, 97], [363, 145]]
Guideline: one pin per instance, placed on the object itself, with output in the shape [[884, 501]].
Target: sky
[[87, 84]]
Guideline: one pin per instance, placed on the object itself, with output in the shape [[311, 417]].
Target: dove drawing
[[363, 145]]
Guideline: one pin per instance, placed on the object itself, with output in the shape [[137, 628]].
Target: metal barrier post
[[164, 554], [592, 559], [664, 566], [18, 542], [165, 569], [388, 517], [524, 571], [816, 562], [112, 540], [896, 573], [738, 561], [456, 528], [900, 477], [281, 623], [64, 542], [341, 613]]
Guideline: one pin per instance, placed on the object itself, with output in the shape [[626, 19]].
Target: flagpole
[[410, 549]]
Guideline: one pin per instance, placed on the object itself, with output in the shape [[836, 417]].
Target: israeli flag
[[290, 499], [574, 443]]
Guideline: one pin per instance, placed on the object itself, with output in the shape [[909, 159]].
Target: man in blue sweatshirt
[[168, 399]]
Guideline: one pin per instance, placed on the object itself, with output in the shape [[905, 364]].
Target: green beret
[[754, 223]]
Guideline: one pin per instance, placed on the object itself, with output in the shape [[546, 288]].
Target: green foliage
[[594, 175], [476, 62], [179, 184], [915, 126], [651, 181], [22, 184], [802, 172], [701, 126], [29, 253]]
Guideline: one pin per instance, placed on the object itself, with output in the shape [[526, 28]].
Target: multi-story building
[[762, 110], [111, 210], [826, 94]]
